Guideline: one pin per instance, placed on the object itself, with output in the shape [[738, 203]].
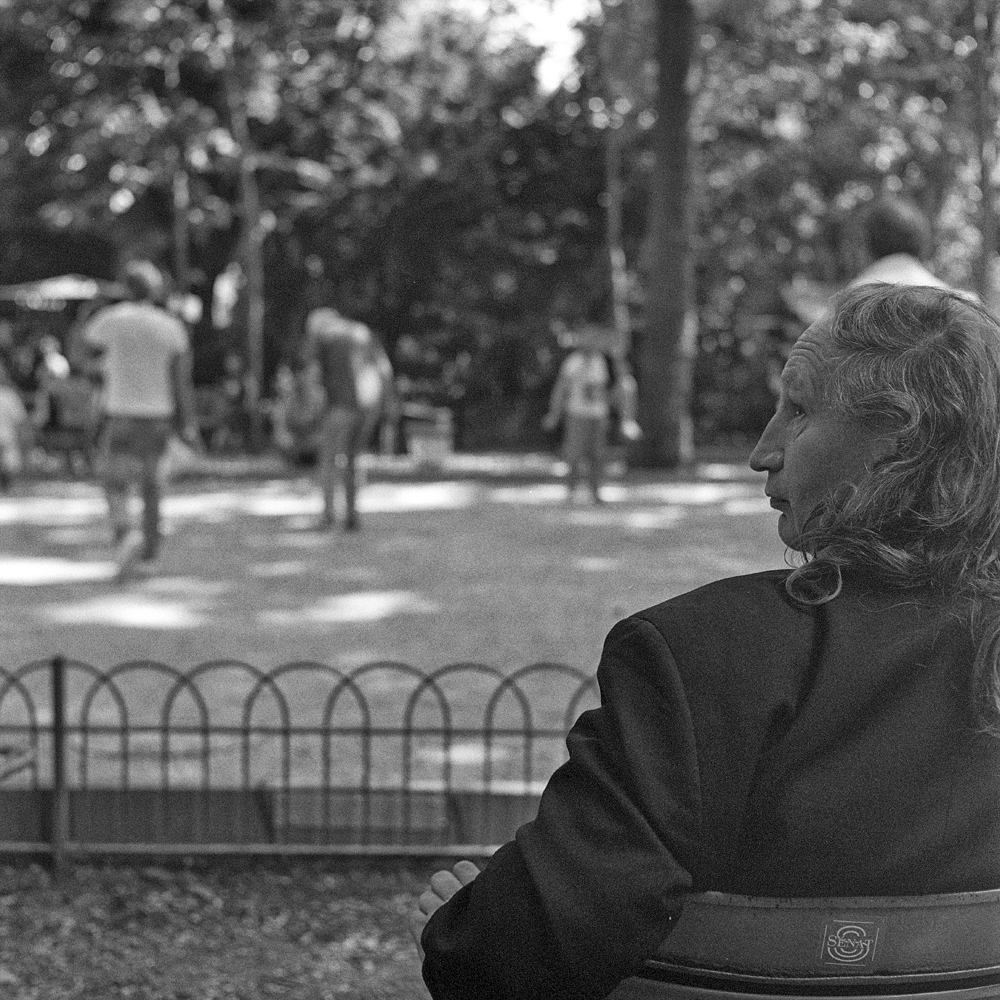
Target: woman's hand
[[444, 885]]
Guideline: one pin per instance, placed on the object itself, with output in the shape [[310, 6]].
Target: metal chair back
[[945, 947]]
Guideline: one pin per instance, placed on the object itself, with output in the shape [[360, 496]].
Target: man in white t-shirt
[[146, 365], [896, 240]]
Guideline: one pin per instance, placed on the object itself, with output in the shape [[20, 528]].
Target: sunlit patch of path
[[293, 501], [46, 571], [276, 570], [595, 564], [534, 494], [125, 611], [749, 505], [340, 609], [214, 506], [84, 534], [687, 494], [377, 498], [674, 494], [51, 510], [187, 586], [644, 519]]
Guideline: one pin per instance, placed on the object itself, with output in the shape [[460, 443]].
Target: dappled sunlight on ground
[[186, 586], [678, 493], [276, 570], [502, 572], [691, 494], [296, 501], [89, 534], [749, 505], [630, 519], [343, 609], [539, 493], [51, 510], [595, 564], [722, 471], [125, 611], [298, 538], [45, 571]]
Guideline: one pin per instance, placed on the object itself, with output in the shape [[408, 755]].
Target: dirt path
[[449, 571]]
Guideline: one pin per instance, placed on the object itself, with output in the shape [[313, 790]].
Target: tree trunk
[[616, 252], [986, 81], [252, 246], [666, 350], [252, 232], [181, 226]]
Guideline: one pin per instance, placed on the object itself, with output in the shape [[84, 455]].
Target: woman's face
[[808, 449]]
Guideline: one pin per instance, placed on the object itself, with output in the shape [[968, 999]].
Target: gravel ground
[[209, 932]]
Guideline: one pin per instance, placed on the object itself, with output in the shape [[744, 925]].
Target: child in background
[[13, 429], [592, 391]]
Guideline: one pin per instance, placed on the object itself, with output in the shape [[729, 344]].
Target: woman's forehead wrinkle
[[800, 373], [808, 365]]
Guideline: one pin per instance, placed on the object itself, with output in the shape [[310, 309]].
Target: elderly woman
[[831, 730]]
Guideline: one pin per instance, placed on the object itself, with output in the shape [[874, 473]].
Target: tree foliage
[[396, 160]]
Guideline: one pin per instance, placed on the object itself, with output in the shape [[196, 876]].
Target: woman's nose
[[767, 454]]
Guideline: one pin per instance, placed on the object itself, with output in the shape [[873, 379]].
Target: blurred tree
[[484, 228], [629, 79], [804, 112], [398, 160], [150, 117], [667, 348]]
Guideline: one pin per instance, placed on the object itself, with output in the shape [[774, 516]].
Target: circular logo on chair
[[849, 942]]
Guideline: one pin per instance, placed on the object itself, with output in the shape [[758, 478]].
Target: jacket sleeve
[[591, 887]]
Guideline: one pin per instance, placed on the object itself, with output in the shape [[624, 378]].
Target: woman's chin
[[787, 532]]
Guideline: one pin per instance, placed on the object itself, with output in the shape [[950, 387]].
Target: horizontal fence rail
[[300, 759]]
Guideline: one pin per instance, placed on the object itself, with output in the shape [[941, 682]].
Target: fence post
[[60, 793]]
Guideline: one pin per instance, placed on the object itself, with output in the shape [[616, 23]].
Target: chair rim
[[971, 898], [756, 982]]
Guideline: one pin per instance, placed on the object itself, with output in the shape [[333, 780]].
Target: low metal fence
[[304, 758]]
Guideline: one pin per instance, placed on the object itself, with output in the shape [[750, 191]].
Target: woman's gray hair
[[922, 364]]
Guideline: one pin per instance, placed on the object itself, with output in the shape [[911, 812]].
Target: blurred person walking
[[588, 398], [148, 395], [279, 408], [356, 376], [50, 371], [14, 431]]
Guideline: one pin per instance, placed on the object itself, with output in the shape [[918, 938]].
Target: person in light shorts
[[148, 395]]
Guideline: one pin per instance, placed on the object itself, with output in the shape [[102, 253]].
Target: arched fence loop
[[303, 758]]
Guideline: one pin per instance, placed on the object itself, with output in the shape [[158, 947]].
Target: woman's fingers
[[429, 901], [445, 884], [465, 872]]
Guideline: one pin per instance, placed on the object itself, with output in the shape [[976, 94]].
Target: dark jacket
[[745, 743]]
